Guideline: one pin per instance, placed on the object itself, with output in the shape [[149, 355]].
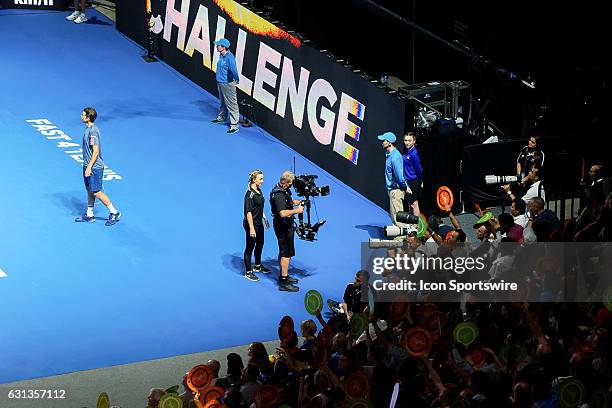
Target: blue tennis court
[[167, 279]]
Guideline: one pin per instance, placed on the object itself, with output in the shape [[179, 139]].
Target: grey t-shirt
[[91, 138]]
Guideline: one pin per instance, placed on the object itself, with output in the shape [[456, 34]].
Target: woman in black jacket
[[253, 223]]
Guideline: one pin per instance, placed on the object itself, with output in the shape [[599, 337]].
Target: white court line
[[2, 274]]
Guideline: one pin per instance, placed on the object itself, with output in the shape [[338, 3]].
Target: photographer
[[352, 299], [529, 187], [283, 212]]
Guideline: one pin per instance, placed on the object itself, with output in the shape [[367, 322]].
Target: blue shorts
[[93, 183]]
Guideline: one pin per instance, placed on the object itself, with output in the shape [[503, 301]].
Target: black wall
[[383, 112], [558, 45]]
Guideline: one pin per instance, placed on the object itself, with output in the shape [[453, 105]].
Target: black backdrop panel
[[440, 156], [131, 20], [563, 158], [332, 120], [480, 160]]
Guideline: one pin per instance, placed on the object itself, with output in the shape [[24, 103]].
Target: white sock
[[90, 211], [112, 209]]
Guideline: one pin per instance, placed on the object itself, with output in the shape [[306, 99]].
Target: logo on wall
[[33, 2], [330, 114]]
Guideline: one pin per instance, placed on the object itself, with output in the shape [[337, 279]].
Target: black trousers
[[256, 243], [415, 186]]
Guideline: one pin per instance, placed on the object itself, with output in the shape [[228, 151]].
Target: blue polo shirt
[[91, 138], [412, 164], [394, 171], [227, 71]]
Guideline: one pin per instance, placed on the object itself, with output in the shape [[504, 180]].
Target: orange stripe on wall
[[253, 22]]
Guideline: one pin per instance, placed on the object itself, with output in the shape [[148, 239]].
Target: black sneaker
[[292, 280], [286, 286], [261, 268], [251, 276], [113, 219], [217, 120], [84, 218], [232, 130]]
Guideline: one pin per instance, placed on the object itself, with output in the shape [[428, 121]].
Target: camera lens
[[407, 218]]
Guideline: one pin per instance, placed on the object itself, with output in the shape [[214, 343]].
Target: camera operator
[[282, 209], [529, 187]]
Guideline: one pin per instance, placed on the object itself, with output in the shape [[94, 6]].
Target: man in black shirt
[[351, 301], [282, 209]]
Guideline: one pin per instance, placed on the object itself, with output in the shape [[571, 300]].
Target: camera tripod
[[307, 231]]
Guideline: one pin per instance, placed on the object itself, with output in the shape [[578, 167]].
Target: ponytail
[[252, 176]]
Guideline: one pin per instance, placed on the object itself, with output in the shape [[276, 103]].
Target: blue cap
[[390, 136], [223, 42]]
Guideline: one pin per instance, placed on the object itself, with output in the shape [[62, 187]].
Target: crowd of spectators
[[563, 344], [539, 354]]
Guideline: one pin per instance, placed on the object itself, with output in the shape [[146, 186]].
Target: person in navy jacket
[[413, 173]]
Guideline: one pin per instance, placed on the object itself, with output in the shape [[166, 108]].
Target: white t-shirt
[[521, 220], [534, 191]]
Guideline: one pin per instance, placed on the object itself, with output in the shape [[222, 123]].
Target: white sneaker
[[81, 18], [73, 16]]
